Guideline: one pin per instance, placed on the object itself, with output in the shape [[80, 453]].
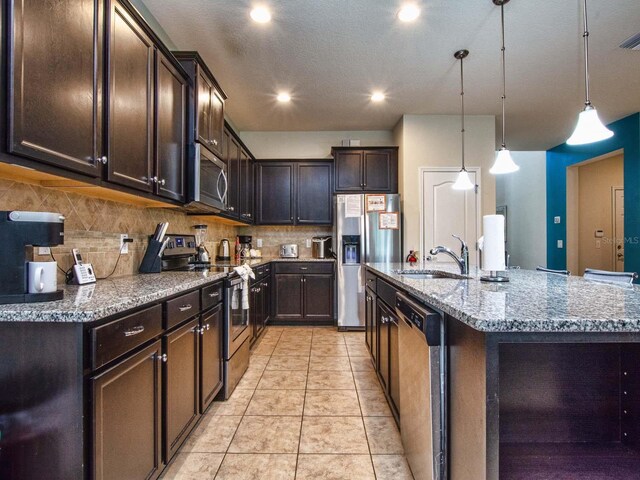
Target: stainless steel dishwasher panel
[[421, 398]]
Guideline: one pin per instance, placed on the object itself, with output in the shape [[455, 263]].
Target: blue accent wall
[[627, 137]]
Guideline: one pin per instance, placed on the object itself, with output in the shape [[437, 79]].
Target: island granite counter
[[543, 373]]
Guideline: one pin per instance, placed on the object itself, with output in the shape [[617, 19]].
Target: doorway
[[445, 212], [595, 214]]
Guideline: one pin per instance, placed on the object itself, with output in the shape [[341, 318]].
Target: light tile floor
[[309, 407]]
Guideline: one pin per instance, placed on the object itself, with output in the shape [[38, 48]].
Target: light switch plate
[[44, 251], [556, 220], [259, 243], [308, 243], [560, 244]]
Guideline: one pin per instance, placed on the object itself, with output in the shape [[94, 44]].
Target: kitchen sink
[[429, 274]]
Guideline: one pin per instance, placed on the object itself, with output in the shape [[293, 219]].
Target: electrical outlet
[[259, 243], [560, 244], [308, 243], [44, 251], [556, 220], [124, 249], [598, 243]]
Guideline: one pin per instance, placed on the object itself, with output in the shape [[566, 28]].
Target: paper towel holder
[[494, 277]]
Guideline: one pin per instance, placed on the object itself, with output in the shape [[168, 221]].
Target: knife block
[[151, 262]]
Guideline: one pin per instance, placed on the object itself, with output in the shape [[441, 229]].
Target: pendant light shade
[[589, 128], [463, 182], [504, 162]]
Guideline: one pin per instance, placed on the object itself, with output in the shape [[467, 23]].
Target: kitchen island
[[542, 373]]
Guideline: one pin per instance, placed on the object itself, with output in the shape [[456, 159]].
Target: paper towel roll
[[493, 255]]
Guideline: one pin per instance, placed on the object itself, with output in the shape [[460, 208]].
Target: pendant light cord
[[504, 79], [462, 105], [585, 36]]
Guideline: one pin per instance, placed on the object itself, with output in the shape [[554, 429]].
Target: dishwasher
[[422, 361]]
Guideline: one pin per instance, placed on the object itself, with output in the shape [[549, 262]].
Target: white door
[[618, 229], [447, 212]]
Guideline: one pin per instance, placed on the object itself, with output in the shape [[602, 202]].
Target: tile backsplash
[[273, 236], [93, 226]]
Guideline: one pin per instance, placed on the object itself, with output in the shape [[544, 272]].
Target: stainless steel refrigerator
[[367, 229]]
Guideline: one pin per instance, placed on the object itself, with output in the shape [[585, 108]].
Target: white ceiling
[[330, 54]]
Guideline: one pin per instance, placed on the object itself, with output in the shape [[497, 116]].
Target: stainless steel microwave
[[207, 182]]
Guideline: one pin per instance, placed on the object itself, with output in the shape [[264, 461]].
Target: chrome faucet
[[462, 260]]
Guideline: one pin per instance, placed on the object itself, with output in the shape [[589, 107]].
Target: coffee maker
[[245, 245], [17, 231]]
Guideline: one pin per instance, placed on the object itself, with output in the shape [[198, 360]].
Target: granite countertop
[[530, 302], [87, 303]]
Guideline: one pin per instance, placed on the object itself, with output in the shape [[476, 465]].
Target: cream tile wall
[[273, 236], [94, 226]]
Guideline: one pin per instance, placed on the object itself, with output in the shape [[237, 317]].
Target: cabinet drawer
[[370, 280], [211, 295], [267, 269], [181, 308], [386, 292], [120, 336], [259, 271], [304, 267]]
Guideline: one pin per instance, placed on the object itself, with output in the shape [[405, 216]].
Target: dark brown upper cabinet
[[239, 177], [207, 104], [246, 186], [232, 157], [131, 100], [368, 169], [171, 105], [294, 193], [55, 83]]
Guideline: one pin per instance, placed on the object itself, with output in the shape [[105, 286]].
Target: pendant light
[[463, 182], [589, 128], [504, 163]]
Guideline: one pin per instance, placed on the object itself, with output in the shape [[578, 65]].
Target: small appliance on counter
[[202, 254], [289, 250], [19, 229], [244, 242], [321, 247], [224, 251]]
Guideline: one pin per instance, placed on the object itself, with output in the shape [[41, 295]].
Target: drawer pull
[[214, 294], [134, 331], [304, 268], [184, 308]]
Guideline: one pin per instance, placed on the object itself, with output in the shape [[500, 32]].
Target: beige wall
[[279, 145], [434, 141], [273, 236], [594, 186]]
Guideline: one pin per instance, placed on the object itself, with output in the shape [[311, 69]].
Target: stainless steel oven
[[207, 182], [236, 333]]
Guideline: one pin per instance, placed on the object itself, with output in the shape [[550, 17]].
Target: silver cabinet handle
[[162, 182], [304, 268], [103, 159], [134, 331], [215, 142], [207, 326], [214, 294], [184, 308], [265, 284], [163, 358]]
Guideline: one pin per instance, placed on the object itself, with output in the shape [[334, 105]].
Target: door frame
[[478, 173], [614, 253]]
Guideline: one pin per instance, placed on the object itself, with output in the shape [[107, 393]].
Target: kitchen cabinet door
[[288, 297], [383, 315], [55, 82], [182, 371], [131, 98], [210, 355], [233, 175], [216, 121], [246, 186], [371, 333], [275, 189], [267, 290], [377, 168], [126, 403], [318, 296], [203, 102], [314, 193], [171, 91], [348, 166], [255, 310]]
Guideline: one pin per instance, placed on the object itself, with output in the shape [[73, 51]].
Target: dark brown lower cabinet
[[394, 366], [318, 296], [288, 297], [371, 324], [182, 370], [388, 354], [127, 418], [210, 355], [303, 297], [383, 343]]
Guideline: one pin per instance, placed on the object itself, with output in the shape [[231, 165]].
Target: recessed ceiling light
[[377, 97], [260, 15], [408, 12], [284, 97]]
